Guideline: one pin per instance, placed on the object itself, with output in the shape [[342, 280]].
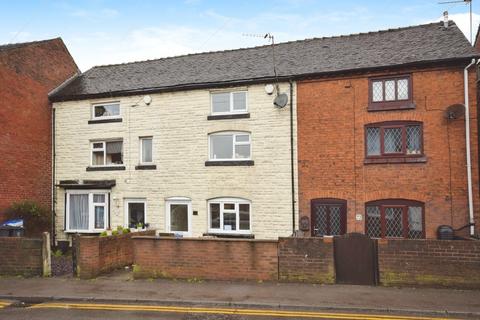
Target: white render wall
[[179, 126]]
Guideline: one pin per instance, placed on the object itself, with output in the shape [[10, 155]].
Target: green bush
[[103, 234], [36, 218], [126, 230], [115, 233]]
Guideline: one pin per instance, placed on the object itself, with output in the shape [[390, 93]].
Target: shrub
[[126, 230], [36, 219], [103, 234], [115, 233]]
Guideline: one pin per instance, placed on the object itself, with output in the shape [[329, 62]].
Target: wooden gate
[[356, 259]]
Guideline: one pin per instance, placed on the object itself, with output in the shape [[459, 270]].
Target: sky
[[99, 32]]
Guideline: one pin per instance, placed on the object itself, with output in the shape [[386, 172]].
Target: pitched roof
[[403, 46]]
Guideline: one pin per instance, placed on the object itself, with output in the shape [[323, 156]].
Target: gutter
[[292, 160], [467, 144]]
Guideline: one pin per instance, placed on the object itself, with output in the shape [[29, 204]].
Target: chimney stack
[[445, 19]]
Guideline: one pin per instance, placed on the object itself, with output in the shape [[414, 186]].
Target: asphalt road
[[84, 310]]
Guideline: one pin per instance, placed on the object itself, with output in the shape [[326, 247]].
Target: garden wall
[[21, 256], [96, 255], [429, 263], [216, 259]]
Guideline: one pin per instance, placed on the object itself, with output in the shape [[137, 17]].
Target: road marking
[[232, 311], [4, 304]]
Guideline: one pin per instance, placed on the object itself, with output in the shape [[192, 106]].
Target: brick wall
[[430, 263], [217, 259], [306, 259], [332, 114], [20, 256], [97, 255], [25, 118]]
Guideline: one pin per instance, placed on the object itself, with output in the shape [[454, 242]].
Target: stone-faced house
[[194, 145], [28, 72]]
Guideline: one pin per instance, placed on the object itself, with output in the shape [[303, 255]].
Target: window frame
[[393, 104], [237, 201], [135, 200], [234, 144], [231, 110], [394, 124], [395, 203], [91, 210], [141, 162], [104, 149], [180, 201], [94, 105], [329, 202]]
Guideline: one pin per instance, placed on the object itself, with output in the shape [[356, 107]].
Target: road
[[84, 310]]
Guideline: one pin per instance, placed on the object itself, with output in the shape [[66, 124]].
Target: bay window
[[229, 215], [86, 211]]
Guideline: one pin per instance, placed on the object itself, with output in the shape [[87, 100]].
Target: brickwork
[[306, 259], [332, 114], [206, 258], [20, 256], [97, 255], [430, 263], [25, 118]]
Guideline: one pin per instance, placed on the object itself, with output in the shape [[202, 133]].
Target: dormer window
[[390, 93]]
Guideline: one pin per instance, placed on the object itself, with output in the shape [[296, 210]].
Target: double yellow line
[[4, 304], [230, 311]]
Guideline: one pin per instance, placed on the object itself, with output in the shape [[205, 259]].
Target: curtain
[[78, 212], [147, 150], [114, 147]]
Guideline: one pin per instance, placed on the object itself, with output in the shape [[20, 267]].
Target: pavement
[[120, 289]]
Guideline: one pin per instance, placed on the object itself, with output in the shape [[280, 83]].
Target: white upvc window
[[86, 211], [110, 110], [135, 213], [229, 146], [229, 215], [229, 102], [146, 150], [107, 153]]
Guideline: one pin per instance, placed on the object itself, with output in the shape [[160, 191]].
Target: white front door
[[179, 216]]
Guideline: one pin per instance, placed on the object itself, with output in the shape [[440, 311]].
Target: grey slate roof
[[393, 47]]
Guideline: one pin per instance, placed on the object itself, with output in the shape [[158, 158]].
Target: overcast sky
[[101, 32]]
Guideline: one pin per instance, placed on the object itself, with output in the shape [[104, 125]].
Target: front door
[[328, 217], [179, 216]]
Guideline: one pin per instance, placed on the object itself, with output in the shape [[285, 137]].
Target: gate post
[[46, 255]]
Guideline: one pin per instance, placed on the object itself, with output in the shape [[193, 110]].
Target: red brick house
[[377, 150], [28, 72]]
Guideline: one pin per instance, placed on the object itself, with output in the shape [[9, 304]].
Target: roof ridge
[[451, 23], [21, 44]]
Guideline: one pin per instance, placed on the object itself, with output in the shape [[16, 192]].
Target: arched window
[[229, 145], [395, 218], [229, 215]]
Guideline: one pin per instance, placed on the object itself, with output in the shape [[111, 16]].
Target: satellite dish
[[281, 100], [147, 99], [454, 111]]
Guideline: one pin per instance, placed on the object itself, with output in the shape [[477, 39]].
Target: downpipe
[[467, 145]]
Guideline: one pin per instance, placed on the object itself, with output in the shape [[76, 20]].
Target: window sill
[[229, 235], [146, 167], [229, 163], [104, 120], [385, 106], [229, 116], [90, 232], [106, 168], [421, 159]]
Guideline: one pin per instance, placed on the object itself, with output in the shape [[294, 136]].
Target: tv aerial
[[281, 99], [469, 2]]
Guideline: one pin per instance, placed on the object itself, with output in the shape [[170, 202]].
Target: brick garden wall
[[20, 256], [217, 259], [306, 259], [430, 263], [97, 255], [332, 114]]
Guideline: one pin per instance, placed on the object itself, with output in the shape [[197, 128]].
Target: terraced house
[[194, 145]]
